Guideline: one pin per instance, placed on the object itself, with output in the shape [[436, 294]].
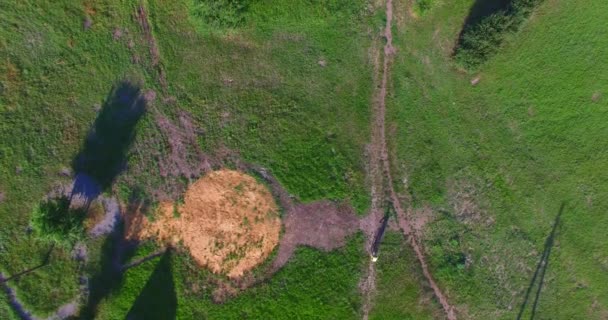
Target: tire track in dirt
[[141, 15], [379, 147], [369, 224]]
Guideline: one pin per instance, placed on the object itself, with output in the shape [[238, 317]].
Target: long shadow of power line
[[541, 268]]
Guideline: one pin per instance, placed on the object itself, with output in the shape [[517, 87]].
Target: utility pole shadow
[[157, 300], [541, 269], [45, 261]]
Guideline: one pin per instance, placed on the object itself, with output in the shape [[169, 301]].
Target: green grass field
[[401, 290], [288, 85], [313, 285], [257, 88], [6, 312], [528, 137]]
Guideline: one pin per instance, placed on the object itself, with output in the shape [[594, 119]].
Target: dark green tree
[[54, 221]]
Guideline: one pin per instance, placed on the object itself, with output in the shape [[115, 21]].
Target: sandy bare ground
[[229, 223], [379, 147]]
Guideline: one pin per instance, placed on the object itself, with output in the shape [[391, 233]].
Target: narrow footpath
[[379, 159]]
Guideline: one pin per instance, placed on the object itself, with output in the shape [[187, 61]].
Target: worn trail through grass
[[380, 159]]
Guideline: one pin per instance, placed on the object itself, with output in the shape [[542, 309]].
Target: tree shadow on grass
[[115, 251], [157, 300], [103, 155], [541, 268], [485, 8]]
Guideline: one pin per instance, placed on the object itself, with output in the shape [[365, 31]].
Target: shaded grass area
[[157, 300], [106, 271], [401, 291], [6, 311], [313, 284], [104, 153], [496, 160]]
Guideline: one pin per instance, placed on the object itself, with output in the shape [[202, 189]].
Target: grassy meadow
[[313, 285], [496, 160], [402, 291], [287, 88], [288, 85]]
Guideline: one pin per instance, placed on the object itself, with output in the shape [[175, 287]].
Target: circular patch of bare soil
[[229, 222]]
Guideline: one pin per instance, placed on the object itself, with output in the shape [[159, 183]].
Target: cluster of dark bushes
[[482, 38], [55, 221], [221, 13]]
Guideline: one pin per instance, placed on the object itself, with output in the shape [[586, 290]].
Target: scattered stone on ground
[[322, 63], [229, 222], [596, 96], [228, 81], [150, 95], [87, 23], [18, 169], [117, 33], [66, 172], [67, 310], [79, 252], [475, 80]]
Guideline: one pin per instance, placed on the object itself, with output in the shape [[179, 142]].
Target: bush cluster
[[481, 40], [424, 5], [54, 221], [221, 13]]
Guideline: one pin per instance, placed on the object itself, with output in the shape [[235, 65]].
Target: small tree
[[54, 221]]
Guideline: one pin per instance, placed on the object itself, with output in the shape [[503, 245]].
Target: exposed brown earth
[[322, 225], [229, 223], [181, 144]]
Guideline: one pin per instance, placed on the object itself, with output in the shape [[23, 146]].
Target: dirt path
[[142, 18], [380, 150]]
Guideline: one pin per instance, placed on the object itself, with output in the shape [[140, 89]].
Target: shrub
[[54, 221], [481, 40], [424, 5], [220, 13]]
